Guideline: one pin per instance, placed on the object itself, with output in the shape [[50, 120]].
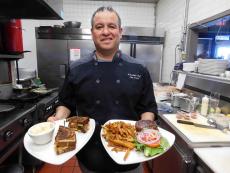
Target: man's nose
[[105, 30]]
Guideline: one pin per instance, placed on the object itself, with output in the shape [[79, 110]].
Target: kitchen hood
[[31, 9]]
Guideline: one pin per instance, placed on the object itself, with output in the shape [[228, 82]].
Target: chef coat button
[[98, 81], [96, 63], [98, 102], [116, 102], [118, 81]]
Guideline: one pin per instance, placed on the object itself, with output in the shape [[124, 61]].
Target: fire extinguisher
[[13, 35]]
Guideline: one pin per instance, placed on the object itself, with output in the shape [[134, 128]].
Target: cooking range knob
[[8, 134], [27, 122]]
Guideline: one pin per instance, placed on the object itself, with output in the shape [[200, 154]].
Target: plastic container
[[204, 105]]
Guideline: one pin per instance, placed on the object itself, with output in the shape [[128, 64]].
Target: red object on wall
[[13, 35]]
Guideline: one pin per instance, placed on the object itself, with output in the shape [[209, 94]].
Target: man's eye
[[99, 27], [113, 26]]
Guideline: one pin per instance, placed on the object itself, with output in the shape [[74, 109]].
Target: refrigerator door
[[52, 61], [79, 48], [151, 57], [125, 47]]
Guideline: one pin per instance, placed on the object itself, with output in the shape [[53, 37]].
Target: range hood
[[31, 9]]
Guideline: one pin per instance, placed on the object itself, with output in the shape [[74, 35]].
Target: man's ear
[[121, 32]]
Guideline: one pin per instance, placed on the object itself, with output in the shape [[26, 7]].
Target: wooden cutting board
[[197, 134]]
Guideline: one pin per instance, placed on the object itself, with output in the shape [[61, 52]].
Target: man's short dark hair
[[103, 8]]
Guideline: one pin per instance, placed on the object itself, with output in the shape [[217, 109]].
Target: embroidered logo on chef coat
[[134, 76]]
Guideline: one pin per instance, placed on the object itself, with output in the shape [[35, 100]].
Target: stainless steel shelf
[[207, 83], [10, 57]]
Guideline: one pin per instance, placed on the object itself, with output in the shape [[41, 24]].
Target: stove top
[[14, 123], [7, 118]]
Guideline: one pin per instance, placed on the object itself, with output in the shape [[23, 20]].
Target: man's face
[[106, 31]]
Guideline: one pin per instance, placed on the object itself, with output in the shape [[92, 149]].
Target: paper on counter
[[180, 81]]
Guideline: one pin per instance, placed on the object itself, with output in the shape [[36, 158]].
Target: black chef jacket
[[121, 89]]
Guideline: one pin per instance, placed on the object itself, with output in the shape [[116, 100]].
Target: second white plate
[[134, 156]]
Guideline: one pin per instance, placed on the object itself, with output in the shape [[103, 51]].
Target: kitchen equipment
[[12, 168], [54, 47], [5, 72], [6, 91], [26, 74], [26, 96], [13, 126], [185, 104], [6, 108], [178, 66], [220, 120], [189, 66], [176, 99], [13, 35], [214, 100], [212, 66], [196, 124], [46, 107], [72, 24], [32, 9], [188, 104], [58, 26]]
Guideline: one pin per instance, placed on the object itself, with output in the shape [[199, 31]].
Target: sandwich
[[79, 123], [148, 138], [65, 140]]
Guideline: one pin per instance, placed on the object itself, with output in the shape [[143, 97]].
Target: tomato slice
[[154, 145], [149, 137]]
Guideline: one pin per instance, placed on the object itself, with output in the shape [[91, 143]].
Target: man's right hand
[[62, 112], [52, 119]]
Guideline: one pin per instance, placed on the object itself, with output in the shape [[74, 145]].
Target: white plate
[[134, 156], [47, 152]]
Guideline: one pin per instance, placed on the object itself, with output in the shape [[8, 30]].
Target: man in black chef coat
[[106, 84]]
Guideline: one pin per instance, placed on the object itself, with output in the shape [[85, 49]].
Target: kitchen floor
[[71, 166]]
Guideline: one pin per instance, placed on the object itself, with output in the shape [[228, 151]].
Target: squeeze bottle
[[204, 105]]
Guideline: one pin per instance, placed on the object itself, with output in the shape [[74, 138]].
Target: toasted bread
[[60, 150], [65, 140], [79, 123]]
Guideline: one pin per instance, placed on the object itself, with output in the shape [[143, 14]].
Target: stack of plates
[[189, 67], [212, 66]]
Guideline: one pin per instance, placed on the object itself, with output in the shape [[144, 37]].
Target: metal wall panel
[[151, 56], [53, 61], [85, 46]]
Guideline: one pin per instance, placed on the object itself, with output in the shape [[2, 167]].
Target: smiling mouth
[[106, 40]]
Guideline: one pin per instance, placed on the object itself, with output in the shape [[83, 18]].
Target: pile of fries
[[120, 136]]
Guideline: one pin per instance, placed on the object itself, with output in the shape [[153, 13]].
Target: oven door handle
[[188, 161], [63, 70]]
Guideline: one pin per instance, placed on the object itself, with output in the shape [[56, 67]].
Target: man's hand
[[148, 116], [62, 112], [52, 118]]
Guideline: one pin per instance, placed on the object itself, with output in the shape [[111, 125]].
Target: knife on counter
[[196, 124]]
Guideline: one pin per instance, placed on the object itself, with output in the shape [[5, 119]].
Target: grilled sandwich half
[[65, 140], [79, 123]]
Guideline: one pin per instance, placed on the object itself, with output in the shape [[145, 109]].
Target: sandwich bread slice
[[79, 123], [65, 140]]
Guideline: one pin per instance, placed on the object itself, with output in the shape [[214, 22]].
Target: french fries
[[125, 144], [120, 136]]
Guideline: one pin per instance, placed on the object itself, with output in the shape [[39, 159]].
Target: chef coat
[[120, 89]]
